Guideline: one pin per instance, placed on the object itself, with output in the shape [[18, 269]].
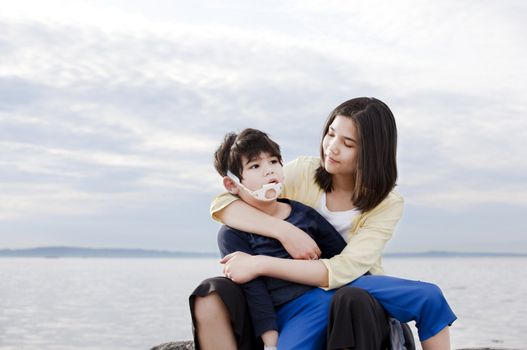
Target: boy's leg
[[407, 300], [302, 322], [357, 321]]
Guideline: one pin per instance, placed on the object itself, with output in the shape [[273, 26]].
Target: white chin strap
[[272, 189]]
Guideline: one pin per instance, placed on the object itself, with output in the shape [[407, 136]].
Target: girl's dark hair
[[249, 143], [376, 162]]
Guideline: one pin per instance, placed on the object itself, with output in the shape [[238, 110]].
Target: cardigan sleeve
[[365, 247], [300, 182], [292, 179], [220, 202]]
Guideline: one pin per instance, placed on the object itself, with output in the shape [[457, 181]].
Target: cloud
[[105, 102]]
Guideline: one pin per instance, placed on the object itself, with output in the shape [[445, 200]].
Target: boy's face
[[260, 171]]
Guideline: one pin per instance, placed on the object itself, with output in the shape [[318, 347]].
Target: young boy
[[251, 166]]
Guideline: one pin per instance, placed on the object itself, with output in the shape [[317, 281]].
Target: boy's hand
[[270, 338], [240, 267], [299, 244]]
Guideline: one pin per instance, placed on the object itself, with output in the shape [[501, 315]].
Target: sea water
[[138, 303]]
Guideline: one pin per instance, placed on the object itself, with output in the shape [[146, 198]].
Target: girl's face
[[341, 147]]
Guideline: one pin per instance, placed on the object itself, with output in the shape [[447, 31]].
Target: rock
[[178, 345], [189, 345]]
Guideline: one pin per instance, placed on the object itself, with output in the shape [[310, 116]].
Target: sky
[[110, 112]]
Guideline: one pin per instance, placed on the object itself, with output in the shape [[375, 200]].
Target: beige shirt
[[368, 234]]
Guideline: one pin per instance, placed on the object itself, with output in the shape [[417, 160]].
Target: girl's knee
[[434, 301], [432, 292]]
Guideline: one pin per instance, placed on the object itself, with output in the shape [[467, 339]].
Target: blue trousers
[[408, 300], [302, 322]]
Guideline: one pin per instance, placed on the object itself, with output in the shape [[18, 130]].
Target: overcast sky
[[110, 112]]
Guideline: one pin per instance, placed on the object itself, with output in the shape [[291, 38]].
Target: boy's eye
[[254, 166], [274, 161]]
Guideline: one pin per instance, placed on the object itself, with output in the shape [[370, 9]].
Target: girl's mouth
[[331, 160]]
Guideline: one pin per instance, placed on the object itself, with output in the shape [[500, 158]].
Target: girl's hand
[[299, 244], [244, 217], [239, 267]]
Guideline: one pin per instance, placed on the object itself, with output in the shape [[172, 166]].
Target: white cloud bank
[[109, 102]]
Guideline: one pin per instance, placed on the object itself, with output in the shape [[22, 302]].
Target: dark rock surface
[[177, 345], [189, 345]]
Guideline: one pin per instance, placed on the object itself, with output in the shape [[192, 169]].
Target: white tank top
[[341, 220]]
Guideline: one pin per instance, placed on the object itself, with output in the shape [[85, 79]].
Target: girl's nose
[[332, 148]]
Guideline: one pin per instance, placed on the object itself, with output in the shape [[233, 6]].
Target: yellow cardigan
[[368, 234]]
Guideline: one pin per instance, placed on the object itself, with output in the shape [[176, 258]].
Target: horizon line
[[194, 252]]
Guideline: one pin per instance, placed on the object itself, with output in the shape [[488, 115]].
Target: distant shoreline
[[81, 252]]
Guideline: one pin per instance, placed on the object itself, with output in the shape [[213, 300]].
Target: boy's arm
[[325, 235], [259, 300], [232, 211]]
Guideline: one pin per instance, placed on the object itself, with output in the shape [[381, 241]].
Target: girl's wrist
[[260, 263], [280, 229]]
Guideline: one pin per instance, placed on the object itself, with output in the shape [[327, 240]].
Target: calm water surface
[[138, 303]]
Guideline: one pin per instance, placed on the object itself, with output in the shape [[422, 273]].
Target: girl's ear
[[230, 185]]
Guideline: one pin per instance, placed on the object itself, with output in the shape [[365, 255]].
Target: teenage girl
[[351, 184]]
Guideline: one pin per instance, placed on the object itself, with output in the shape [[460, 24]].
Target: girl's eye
[[348, 145], [254, 166], [274, 161]]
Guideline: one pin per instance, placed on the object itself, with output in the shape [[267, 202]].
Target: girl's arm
[[244, 217], [365, 247], [241, 267], [363, 251]]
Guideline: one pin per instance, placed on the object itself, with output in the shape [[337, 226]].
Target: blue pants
[[302, 322], [407, 300]]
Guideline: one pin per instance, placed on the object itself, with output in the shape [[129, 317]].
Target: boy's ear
[[230, 185]]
